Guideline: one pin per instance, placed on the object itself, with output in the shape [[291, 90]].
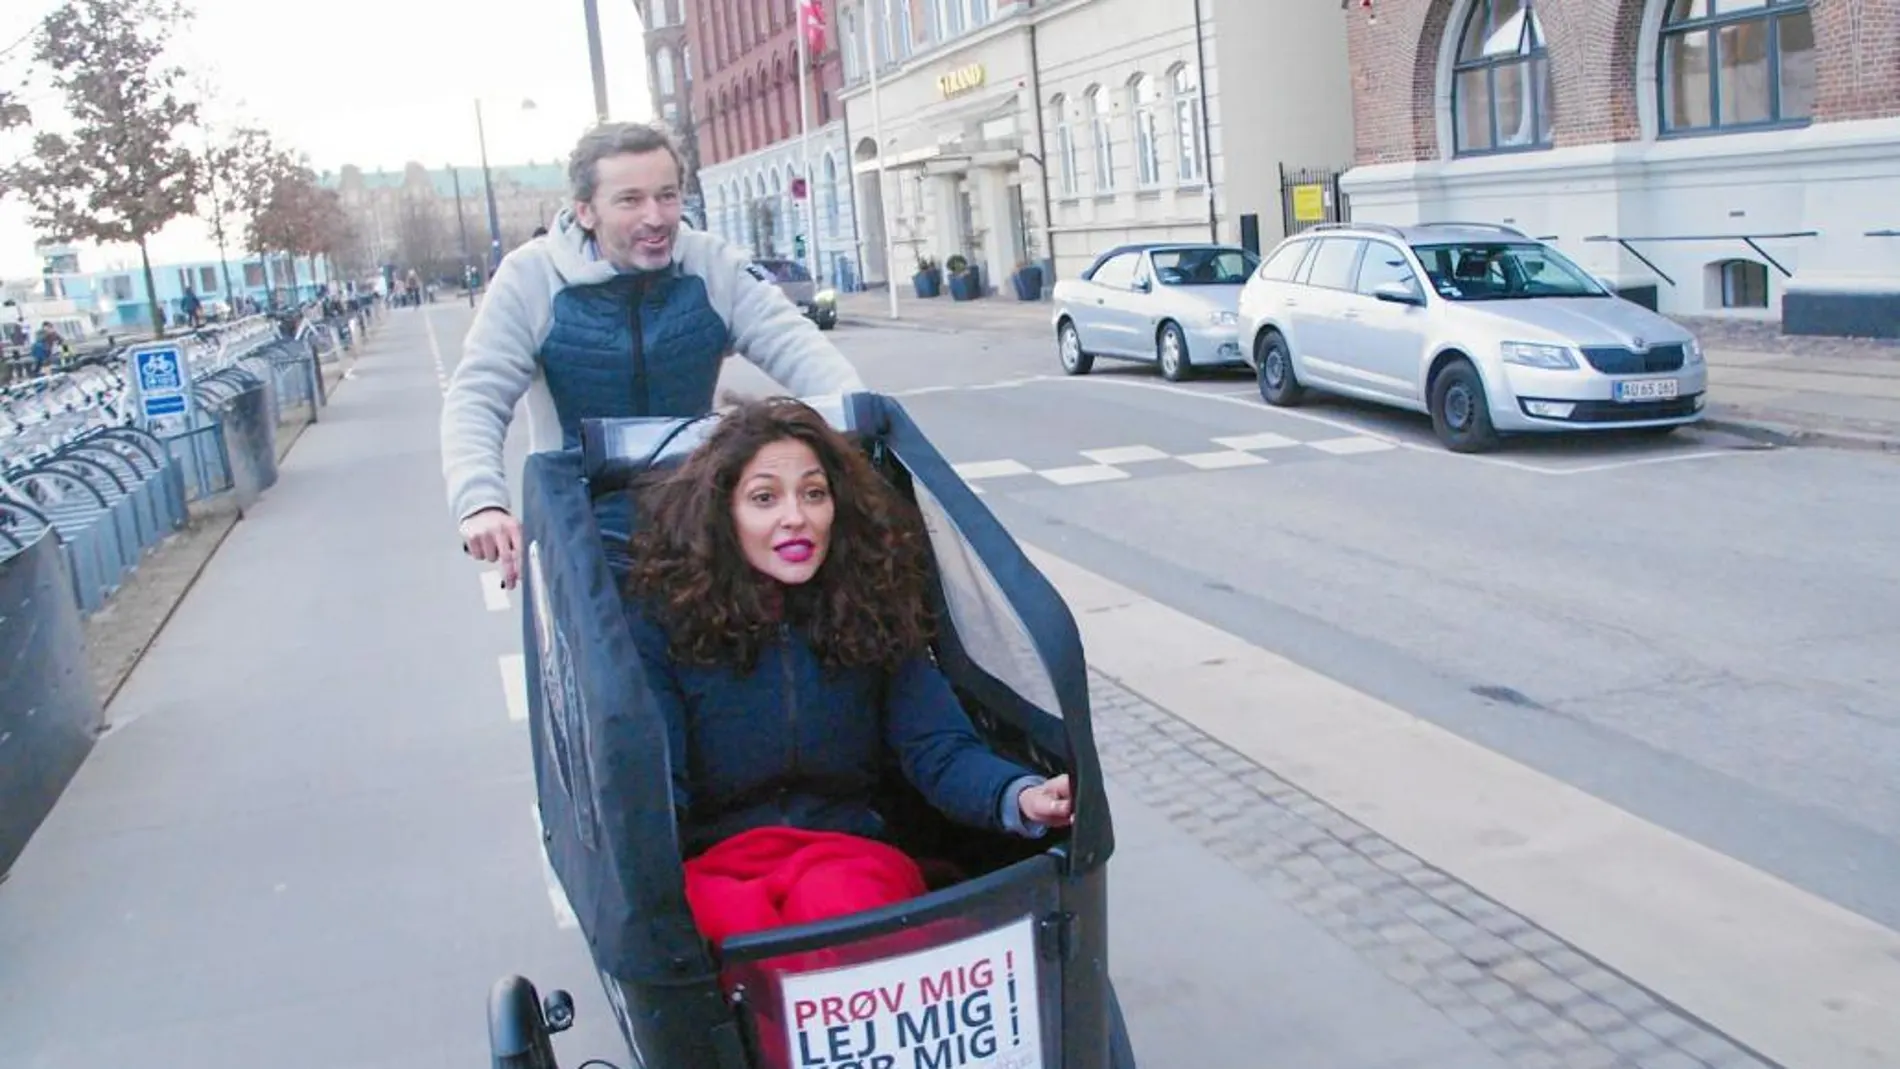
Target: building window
[[1104, 146], [831, 196], [1187, 120], [663, 67], [1500, 85], [1145, 97], [1065, 146], [922, 23], [1744, 284], [1736, 64], [979, 13], [852, 47]]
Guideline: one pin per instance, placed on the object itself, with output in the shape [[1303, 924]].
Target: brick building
[[669, 55], [745, 114], [1742, 149]]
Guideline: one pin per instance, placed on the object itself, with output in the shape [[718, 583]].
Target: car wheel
[[1460, 413], [1074, 360], [1279, 386], [1171, 352]]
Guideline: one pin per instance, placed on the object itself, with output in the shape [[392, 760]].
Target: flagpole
[[877, 138], [806, 16]]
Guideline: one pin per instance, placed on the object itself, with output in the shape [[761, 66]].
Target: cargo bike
[[1003, 964]]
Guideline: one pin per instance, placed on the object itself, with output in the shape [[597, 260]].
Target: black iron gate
[[1310, 196]]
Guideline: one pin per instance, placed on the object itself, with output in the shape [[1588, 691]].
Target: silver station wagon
[[1487, 330]]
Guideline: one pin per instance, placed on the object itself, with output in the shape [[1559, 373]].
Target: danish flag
[[811, 22]]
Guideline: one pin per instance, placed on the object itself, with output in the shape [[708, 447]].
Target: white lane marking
[[563, 909], [990, 469], [514, 685], [435, 351], [1345, 447], [1124, 454], [492, 594], [1084, 473], [1225, 458], [1253, 403], [1263, 440], [1781, 969]]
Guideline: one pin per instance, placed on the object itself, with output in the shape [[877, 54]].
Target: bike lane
[[308, 839]]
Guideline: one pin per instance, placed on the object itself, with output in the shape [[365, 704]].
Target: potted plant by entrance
[[1028, 281], [966, 281], [929, 277]]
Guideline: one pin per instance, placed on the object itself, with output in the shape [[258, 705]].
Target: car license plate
[[1645, 390]]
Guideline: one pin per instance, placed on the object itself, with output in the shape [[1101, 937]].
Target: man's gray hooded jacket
[[583, 340]]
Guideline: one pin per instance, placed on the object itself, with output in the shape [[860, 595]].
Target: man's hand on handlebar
[[492, 535]]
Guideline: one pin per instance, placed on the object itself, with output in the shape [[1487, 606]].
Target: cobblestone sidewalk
[[1538, 1002]]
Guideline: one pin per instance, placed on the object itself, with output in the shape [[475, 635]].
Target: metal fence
[[77, 463], [1310, 196]]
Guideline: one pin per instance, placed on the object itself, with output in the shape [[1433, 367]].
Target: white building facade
[[750, 201]]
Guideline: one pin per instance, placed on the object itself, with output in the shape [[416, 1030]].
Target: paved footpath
[[309, 840]]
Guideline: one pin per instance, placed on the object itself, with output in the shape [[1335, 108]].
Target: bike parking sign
[[163, 380]]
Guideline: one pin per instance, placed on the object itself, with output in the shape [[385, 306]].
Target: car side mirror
[[1142, 285], [1397, 293]]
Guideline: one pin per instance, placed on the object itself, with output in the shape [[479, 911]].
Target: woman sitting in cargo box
[[778, 599]]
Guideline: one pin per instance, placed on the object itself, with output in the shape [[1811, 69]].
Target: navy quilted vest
[[635, 345]]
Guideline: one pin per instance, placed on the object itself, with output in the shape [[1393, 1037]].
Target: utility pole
[[596, 58], [461, 223], [488, 182]]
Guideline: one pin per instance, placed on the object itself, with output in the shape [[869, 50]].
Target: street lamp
[[488, 184], [596, 58]]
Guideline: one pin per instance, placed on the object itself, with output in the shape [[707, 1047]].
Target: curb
[[991, 327], [1781, 434]]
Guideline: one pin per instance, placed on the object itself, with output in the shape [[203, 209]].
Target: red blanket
[[773, 877]]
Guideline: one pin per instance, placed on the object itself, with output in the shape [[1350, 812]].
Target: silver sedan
[[1172, 304]]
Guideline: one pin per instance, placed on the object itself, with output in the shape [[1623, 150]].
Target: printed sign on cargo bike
[[970, 1004]]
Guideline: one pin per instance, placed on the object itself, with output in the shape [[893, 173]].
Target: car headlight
[[1537, 354], [825, 297], [1222, 319], [1693, 351]]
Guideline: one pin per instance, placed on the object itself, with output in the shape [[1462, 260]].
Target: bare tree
[[121, 175], [257, 170], [422, 239]]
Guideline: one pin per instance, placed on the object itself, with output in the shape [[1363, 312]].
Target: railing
[[76, 461], [88, 488]]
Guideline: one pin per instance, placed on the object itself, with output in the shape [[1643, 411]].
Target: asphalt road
[[1699, 629], [309, 840]]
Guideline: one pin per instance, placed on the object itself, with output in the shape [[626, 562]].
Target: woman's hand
[[1051, 804]]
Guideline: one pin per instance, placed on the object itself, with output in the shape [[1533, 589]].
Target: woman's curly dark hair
[[867, 605]]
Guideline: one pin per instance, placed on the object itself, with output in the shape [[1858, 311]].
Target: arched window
[[831, 196], [1145, 97], [1185, 89], [1099, 130], [1735, 64], [1065, 146], [1500, 89]]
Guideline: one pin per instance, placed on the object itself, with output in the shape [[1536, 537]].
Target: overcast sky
[[378, 83]]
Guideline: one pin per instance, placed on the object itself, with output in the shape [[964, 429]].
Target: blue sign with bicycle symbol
[[163, 381]]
